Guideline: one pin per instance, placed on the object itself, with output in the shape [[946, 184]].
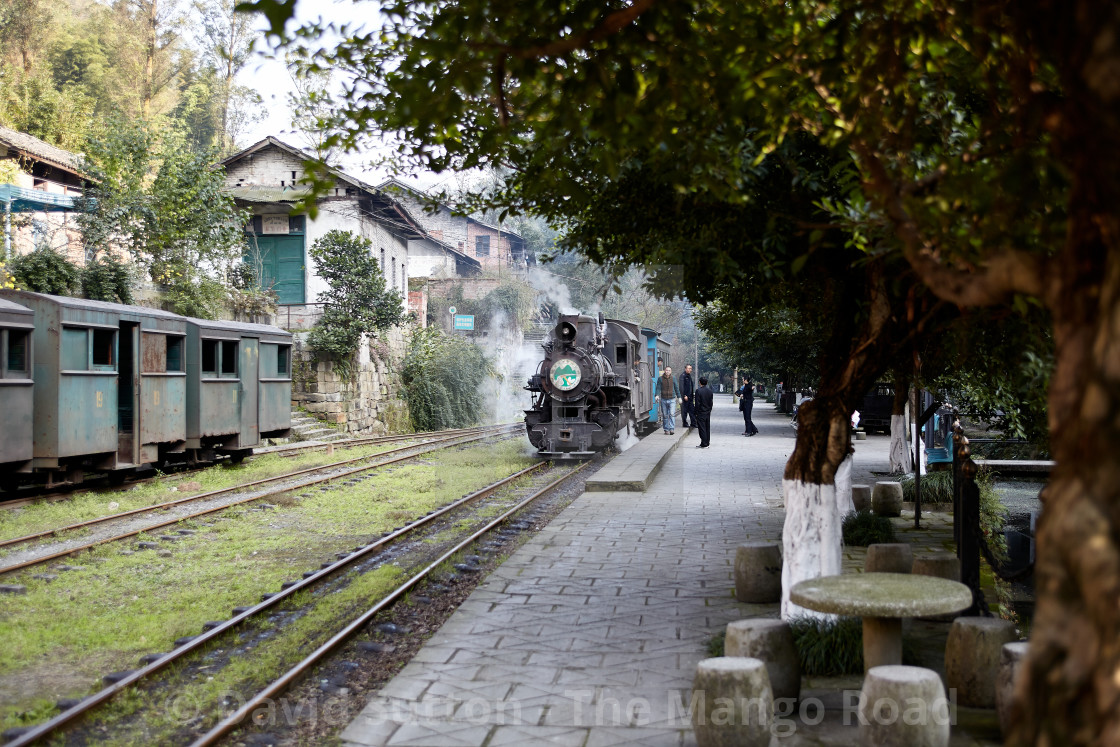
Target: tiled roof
[[32, 146]]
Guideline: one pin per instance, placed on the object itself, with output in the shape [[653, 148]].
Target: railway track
[[311, 580], [285, 450], [463, 436]]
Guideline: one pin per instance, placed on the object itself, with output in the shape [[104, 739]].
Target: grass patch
[[937, 487], [717, 643], [61, 637], [863, 528], [833, 647], [92, 504]]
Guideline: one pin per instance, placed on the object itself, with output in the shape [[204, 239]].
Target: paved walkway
[[589, 635]]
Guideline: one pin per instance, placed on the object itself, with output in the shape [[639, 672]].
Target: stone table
[[882, 600]]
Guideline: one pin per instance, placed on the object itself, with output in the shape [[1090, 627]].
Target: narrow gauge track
[[285, 450], [310, 580], [432, 445]]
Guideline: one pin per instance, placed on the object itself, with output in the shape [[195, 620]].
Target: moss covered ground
[[63, 635]]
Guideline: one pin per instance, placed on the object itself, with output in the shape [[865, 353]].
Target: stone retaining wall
[[369, 401]]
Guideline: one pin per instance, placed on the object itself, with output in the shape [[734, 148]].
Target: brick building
[[494, 246]]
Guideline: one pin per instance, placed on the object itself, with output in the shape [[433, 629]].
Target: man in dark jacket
[[702, 415], [688, 419]]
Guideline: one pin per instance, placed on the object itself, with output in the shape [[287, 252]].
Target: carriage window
[[209, 357], [619, 353], [75, 349], [175, 353], [17, 352], [229, 358], [104, 352], [283, 353]]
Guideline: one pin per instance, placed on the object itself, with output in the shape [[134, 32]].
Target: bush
[[832, 647], [107, 279], [45, 270], [441, 375], [863, 528], [937, 487]]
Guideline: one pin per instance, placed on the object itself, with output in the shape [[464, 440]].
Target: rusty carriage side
[[17, 323], [109, 385], [239, 386]]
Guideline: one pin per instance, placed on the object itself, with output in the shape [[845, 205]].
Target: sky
[[272, 80]]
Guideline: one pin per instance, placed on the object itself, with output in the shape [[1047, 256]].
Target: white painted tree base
[[844, 503], [811, 538], [900, 450]]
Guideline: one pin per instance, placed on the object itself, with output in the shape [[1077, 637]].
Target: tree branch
[[612, 24], [1004, 273]]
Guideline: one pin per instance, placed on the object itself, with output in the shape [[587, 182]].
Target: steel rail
[[221, 491], [104, 695], [279, 685], [434, 446], [286, 450]]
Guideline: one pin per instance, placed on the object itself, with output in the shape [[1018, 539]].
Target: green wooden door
[[281, 266]]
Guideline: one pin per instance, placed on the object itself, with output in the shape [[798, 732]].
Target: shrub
[[937, 487], [441, 375], [832, 647], [107, 279], [863, 528], [45, 270]]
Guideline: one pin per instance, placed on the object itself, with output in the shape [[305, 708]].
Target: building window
[[104, 349], [404, 278], [382, 263], [482, 246], [394, 261], [18, 358], [283, 356]]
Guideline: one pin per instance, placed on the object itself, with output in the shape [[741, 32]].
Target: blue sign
[[464, 321]]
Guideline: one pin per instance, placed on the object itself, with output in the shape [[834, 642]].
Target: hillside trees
[[985, 135]]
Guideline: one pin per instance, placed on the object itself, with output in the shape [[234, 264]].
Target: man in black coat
[[688, 417], [702, 415]]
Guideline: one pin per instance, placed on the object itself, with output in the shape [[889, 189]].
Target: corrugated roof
[[32, 146], [394, 183]]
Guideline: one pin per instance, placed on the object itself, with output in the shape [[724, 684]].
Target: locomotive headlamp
[[567, 332]]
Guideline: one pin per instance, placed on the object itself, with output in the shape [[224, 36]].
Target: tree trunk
[[150, 47], [811, 537], [900, 450]]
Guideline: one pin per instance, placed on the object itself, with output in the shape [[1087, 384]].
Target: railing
[[967, 534]]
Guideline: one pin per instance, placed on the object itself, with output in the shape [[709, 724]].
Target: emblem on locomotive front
[[565, 374]]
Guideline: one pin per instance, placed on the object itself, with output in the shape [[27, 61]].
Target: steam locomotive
[[594, 384]]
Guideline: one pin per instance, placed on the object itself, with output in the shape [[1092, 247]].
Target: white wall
[[271, 166]]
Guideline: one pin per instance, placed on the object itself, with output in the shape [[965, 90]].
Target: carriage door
[[127, 390], [249, 375]]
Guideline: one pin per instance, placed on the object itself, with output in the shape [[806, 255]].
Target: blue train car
[[657, 357], [16, 386]]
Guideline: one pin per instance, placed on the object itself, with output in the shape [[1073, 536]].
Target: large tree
[[986, 136]]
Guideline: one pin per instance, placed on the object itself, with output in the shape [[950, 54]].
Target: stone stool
[[758, 572], [736, 690], [1011, 656], [861, 497], [903, 706], [972, 656], [939, 565], [888, 557], [770, 641], [886, 498]]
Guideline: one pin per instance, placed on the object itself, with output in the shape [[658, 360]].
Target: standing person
[[688, 416], [667, 393], [702, 415], [746, 406]]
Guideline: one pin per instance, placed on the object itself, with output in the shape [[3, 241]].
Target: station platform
[[589, 634]]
